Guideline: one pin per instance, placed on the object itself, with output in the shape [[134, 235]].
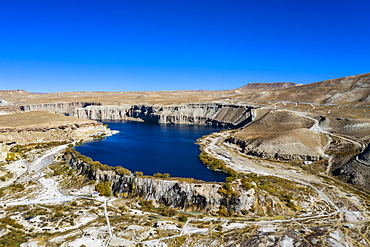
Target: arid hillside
[[262, 86], [43, 127], [326, 122], [342, 91]]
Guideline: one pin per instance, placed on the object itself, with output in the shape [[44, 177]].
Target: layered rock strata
[[187, 196], [204, 114], [65, 132], [281, 135], [191, 196], [61, 107], [43, 127]]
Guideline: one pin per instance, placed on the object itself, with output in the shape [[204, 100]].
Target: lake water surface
[[152, 148]]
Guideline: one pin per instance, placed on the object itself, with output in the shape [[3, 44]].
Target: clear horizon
[[59, 46]]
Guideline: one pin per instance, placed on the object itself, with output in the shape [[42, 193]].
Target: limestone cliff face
[[64, 108], [252, 149], [9, 110], [5, 103], [212, 113], [187, 196], [66, 132]]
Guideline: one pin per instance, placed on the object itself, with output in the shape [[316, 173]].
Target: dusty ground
[[38, 119]]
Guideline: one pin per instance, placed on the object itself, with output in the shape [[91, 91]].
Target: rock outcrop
[[356, 171], [43, 127], [186, 196], [5, 103], [202, 113], [67, 132], [281, 135], [62, 107]]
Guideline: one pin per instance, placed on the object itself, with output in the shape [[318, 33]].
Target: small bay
[[152, 148]]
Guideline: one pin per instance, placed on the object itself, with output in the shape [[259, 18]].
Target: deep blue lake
[[152, 148]]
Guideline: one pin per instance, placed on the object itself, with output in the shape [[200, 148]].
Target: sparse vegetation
[[96, 165], [169, 212], [104, 188], [228, 191], [216, 164], [160, 175], [246, 183], [32, 146], [7, 221], [11, 157], [13, 239], [61, 168], [99, 136], [146, 205], [183, 218], [138, 174]]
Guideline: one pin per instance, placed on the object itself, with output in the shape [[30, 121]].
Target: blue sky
[[146, 45]]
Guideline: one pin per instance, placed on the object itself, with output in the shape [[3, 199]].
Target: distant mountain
[[342, 91], [347, 90], [267, 86]]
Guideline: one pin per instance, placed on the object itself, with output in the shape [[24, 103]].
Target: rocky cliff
[[61, 107], [271, 151], [187, 196], [43, 127], [202, 113], [66, 132]]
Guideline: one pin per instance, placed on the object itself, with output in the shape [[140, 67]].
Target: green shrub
[[231, 213], [104, 188], [10, 157], [10, 222], [228, 191], [227, 186], [160, 175], [13, 239], [146, 205], [246, 184], [138, 174], [223, 211], [183, 218], [169, 212], [216, 164], [157, 175], [96, 165], [287, 199], [17, 186], [122, 171]]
